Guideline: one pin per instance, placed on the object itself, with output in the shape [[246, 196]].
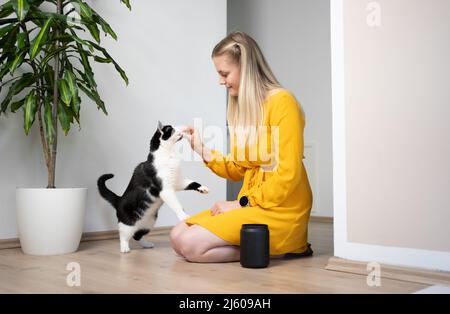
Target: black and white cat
[[153, 183]]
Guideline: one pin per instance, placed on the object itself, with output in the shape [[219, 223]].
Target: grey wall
[[295, 38], [165, 48]]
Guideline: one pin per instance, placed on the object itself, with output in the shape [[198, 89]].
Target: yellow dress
[[280, 198]]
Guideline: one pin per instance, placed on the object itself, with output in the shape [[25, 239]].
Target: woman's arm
[[224, 166]]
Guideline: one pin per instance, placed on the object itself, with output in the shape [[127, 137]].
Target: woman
[[274, 193]]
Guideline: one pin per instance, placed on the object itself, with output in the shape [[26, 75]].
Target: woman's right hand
[[193, 137]]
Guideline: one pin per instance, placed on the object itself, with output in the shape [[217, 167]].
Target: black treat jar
[[255, 246]]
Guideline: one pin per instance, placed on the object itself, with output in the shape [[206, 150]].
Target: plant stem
[[41, 127], [40, 100], [51, 173], [44, 142]]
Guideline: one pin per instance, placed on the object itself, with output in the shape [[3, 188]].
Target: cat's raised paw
[[203, 189]]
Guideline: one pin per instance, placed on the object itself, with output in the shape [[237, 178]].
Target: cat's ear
[[160, 126]]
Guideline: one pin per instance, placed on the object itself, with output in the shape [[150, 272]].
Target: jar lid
[[254, 226]]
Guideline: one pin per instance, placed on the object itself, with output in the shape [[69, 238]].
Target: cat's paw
[[146, 244], [124, 248], [203, 189]]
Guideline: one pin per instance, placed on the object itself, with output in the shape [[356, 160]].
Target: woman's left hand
[[222, 207]]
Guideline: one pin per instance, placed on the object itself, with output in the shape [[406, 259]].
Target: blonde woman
[[278, 195]]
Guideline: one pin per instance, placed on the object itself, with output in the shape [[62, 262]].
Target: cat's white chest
[[172, 162], [167, 167]]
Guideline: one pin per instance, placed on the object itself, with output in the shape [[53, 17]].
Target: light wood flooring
[[159, 270]]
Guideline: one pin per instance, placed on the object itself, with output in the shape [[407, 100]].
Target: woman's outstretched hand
[[222, 207], [194, 139]]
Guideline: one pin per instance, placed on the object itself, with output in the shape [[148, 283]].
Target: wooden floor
[[160, 270]]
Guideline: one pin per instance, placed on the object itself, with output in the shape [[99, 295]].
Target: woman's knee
[[177, 230], [175, 234], [188, 247]]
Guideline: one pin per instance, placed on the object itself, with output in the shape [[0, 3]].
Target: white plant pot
[[50, 221]]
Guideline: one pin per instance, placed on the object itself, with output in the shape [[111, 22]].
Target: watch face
[[243, 201]]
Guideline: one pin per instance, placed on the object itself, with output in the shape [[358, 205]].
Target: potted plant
[[46, 48]]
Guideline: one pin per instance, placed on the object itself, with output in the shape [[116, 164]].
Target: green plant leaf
[[102, 60], [116, 65], [16, 105], [86, 14], [6, 29], [39, 18], [7, 43], [36, 3], [53, 53], [49, 129], [64, 92], [17, 62], [88, 74], [26, 80], [6, 9], [93, 29], [4, 69], [21, 7], [49, 75], [65, 117], [76, 102], [21, 40], [105, 26], [95, 97], [127, 3], [71, 82], [81, 41], [121, 71], [9, 57], [30, 108], [39, 39], [85, 9]]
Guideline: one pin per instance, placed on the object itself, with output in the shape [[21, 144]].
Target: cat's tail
[[106, 193]]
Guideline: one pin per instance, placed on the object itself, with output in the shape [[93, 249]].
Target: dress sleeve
[[225, 166], [286, 175]]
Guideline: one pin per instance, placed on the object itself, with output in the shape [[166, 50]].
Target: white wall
[[165, 48], [295, 38], [391, 131]]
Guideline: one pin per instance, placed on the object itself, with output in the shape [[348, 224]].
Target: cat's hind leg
[[139, 236], [125, 233], [188, 185]]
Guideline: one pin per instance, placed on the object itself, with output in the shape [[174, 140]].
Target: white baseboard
[[87, 236]]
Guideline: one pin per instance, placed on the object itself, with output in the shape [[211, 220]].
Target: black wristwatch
[[244, 202]]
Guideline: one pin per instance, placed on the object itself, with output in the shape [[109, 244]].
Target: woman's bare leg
[[175, 235], [198, 244], [222, 254]]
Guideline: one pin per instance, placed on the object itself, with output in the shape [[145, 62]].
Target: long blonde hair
[[246, 111]]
